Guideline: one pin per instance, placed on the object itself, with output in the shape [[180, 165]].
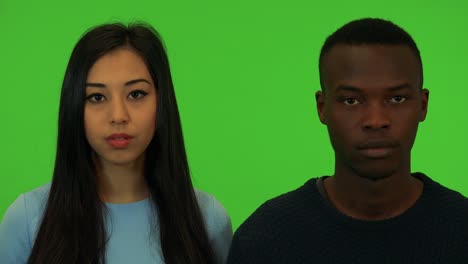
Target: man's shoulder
[[276, 226], [293, 201], [284, 209], [445, 202], [442, 193]]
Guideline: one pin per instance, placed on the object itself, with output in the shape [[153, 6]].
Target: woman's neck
[[122, 183]]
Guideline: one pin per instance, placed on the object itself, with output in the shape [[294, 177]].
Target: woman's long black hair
[[73, 226]]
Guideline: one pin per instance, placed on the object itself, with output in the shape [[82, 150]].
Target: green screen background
[[245, 75]]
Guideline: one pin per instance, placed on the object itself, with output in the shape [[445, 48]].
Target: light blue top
[[132, 240]]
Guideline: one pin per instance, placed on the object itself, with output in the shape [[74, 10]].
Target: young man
[[373, 209]]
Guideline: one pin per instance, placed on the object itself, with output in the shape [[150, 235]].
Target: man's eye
[[397, 99], [95, 98], [137, 94], [350, 101]]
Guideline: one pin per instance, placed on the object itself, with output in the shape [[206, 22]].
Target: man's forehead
[[359, 53], [370, 64]]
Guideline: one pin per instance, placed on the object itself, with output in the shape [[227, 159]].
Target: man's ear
[[320, 100], [424, 104]]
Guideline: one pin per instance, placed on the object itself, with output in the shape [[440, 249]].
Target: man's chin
[[374, 174], [375, 177]]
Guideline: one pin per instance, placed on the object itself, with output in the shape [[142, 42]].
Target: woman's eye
[[95, 98], [397, 99], [137, 94], [350, 101]]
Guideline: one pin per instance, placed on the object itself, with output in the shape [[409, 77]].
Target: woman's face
[[120, 107]]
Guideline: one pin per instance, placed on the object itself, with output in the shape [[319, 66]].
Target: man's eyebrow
[[129, 83], [351, 88], [399, 87]]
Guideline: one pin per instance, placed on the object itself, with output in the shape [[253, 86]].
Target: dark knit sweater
[[303, 227]]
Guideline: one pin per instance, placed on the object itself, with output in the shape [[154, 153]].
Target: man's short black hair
[[369, 31]]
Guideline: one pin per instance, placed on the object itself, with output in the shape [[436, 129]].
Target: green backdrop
[[245, 74]]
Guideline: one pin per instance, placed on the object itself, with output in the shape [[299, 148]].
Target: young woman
[[121, 190]]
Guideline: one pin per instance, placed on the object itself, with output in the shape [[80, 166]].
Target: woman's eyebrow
[[129, 83]]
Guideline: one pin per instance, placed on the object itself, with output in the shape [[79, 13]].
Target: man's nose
[[376, 117]]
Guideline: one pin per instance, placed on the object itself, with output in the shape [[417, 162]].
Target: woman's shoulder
[[39, 194], [213, 211], [19, 225], [35, 201], [29, 204], [218, 224]]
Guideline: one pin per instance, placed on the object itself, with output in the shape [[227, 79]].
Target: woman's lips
[[119, 140]]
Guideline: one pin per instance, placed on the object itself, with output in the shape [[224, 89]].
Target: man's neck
[[373, 200]]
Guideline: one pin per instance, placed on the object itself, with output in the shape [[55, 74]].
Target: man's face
[[372, 103]]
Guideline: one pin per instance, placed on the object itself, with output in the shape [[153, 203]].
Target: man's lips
[[377, 149]]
